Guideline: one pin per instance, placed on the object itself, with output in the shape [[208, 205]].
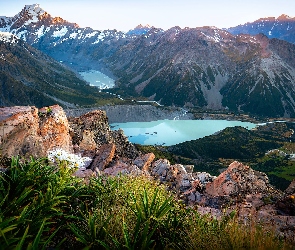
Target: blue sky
[[126, 14]]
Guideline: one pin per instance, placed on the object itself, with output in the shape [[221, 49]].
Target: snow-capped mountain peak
[[30, 14], [33, 10], [140, 30], [140, 26]]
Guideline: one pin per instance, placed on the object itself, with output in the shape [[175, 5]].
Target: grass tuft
[[44, 207]]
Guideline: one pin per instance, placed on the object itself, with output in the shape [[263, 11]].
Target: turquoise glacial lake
[[171, 132], [98, 79]]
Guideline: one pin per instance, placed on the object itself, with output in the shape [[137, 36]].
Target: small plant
[[73, 161]]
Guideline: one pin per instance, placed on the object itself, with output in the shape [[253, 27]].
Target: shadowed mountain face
[[29, 77], [282, 28], [205, 67]]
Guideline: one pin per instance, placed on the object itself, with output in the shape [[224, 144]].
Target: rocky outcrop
[[291, 188], [91, 127], [178, 178], [238, 179], [122, 167], [28, 132], [91, 130]]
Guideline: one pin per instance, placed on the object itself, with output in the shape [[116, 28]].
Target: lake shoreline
[[172, 132]]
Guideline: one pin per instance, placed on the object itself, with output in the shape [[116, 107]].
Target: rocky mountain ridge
[[140, 30], [202, 67], [208, 67], [57, 37], [28, 131], [282, 27]]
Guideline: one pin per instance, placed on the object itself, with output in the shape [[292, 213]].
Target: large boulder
[[103, 157], [238, 179], [27, 131], [144, 162]]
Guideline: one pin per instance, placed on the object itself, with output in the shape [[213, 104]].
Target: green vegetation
[[216, 152], [45, 207]]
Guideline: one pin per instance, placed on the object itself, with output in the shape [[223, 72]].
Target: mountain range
[[282, 28], [202, 67]]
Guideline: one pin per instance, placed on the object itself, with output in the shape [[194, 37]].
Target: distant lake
[[171, 132], [98, 79]]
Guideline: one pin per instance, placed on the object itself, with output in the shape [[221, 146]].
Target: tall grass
[[45, 207]]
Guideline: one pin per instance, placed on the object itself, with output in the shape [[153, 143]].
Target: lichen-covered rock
[[94, 121], [160, 169], [175, 176], [27, 131], [87, 143], [286, 206], [54, 129], [91, 130], [123, 147]]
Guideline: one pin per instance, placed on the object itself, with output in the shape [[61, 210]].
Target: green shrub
[[44, 206]]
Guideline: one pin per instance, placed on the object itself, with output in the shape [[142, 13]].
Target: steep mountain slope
[[29, 77], [282, 28], [60, 39], [211, 68], [205, 67]]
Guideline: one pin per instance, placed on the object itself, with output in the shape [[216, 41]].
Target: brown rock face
[[27, 132], [91, 130], [54, 128], [122, 167], [94, 121], [238, 179], [103, 157], [144, 162]]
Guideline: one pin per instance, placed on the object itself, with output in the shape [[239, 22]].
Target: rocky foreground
[[28, 131]]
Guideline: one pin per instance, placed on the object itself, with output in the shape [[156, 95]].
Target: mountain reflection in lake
[[171, 132]]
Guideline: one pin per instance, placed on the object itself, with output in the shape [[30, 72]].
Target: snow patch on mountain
[[6, 23], [89, 35], [61, 32], [100, 38], [22, 35], [40, 32], [7, 37]]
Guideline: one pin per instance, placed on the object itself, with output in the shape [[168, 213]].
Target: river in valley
[[171, 132]]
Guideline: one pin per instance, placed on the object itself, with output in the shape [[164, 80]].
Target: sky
[[124, 15]]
